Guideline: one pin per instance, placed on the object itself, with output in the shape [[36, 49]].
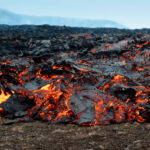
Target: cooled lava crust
[[74, 75]]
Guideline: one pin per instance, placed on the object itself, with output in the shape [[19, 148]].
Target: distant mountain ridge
[[10, 18]]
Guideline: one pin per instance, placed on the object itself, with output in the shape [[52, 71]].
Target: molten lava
[[3, 96], [115, 96]]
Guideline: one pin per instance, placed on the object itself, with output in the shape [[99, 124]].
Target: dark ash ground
[[39, 135]]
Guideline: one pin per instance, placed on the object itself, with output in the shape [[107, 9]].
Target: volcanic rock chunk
[[35, 84], [21, 114], [16, 105], [19, 64], [84, 109], [146, 114], [125, 94], [31, 86]]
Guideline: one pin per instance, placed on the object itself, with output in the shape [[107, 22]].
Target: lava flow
[[101, 89]]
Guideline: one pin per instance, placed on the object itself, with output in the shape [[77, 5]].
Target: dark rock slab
[[33, 85], [84, 109], [16, 105]]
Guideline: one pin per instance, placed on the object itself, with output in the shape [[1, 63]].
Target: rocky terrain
[[25, 40]]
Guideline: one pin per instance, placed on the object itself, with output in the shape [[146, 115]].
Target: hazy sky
[[132, 13]]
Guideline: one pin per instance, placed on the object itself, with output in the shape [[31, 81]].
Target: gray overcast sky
[[132, 13]]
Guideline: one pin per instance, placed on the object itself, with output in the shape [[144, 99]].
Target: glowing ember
[[3, 96]]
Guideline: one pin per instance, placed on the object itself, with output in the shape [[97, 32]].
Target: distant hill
[[10, 18]]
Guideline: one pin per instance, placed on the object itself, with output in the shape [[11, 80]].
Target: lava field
[[74, 75]]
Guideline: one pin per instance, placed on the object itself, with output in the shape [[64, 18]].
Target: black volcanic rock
[[45, 40], [84, 109], [16, 106]]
